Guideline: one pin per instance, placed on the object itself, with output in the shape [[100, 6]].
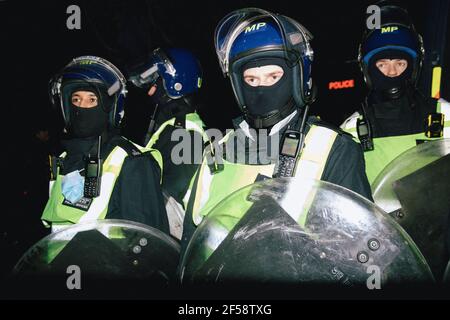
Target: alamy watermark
[[242, 146], [73, 281], [374, 280], [374, 19], [73, 22]]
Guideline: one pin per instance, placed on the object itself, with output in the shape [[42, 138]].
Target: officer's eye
[[273, 78], [93, 100], [75, 100], [252, 81]]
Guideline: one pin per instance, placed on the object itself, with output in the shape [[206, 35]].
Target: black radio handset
[[364, 131], [291, 146], [93, 173]]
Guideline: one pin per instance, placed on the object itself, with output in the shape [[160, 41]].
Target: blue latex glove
[[72, 186]]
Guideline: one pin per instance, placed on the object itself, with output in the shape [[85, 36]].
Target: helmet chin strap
[[393, 93], [396, 92]]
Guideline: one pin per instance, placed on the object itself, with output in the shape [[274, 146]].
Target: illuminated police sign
[[345, 84]]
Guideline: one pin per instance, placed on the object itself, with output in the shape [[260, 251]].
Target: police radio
[[93, 174], [287, 160], [434, 127], [364, 134]]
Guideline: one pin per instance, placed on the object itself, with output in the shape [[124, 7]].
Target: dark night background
[[35, 44]]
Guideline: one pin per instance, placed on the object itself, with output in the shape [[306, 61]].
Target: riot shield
[[301, 232], [105, 257], [405, 164], [447, 274], [415, 190]]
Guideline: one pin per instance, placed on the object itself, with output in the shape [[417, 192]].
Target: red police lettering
[[336, 85]]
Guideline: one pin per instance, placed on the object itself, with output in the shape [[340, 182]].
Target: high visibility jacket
[[211, 188], [59, 213], [387, 149]]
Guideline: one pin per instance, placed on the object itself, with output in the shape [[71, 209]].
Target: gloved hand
[[72, 186]]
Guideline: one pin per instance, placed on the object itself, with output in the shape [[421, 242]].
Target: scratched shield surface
[[295, 231]]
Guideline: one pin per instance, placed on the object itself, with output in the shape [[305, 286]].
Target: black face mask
[[389, 88], [88, 122], [263, 101]]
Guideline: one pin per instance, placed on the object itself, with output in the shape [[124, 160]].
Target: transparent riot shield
[[100, 257], [301, 232], [447, 274], [405, 164], [415, 190]]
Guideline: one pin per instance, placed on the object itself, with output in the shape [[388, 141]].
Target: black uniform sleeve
[[346, 166], [137, 194], [177, 177]]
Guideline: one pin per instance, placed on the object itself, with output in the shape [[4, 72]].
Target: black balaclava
[[263, 101], [389, 88], [393, 111], [89, 122]]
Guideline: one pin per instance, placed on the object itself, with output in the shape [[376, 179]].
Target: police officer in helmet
[[171, 78], [101, 174], [268, 59], [395, 115]]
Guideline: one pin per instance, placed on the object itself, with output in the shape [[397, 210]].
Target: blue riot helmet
[[253, 34], [90, 73], [396, 38], [176, 69]]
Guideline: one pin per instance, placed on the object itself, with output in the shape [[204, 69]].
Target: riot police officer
[[268, 59], [395, 115], [172, 79], [101, 174]]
